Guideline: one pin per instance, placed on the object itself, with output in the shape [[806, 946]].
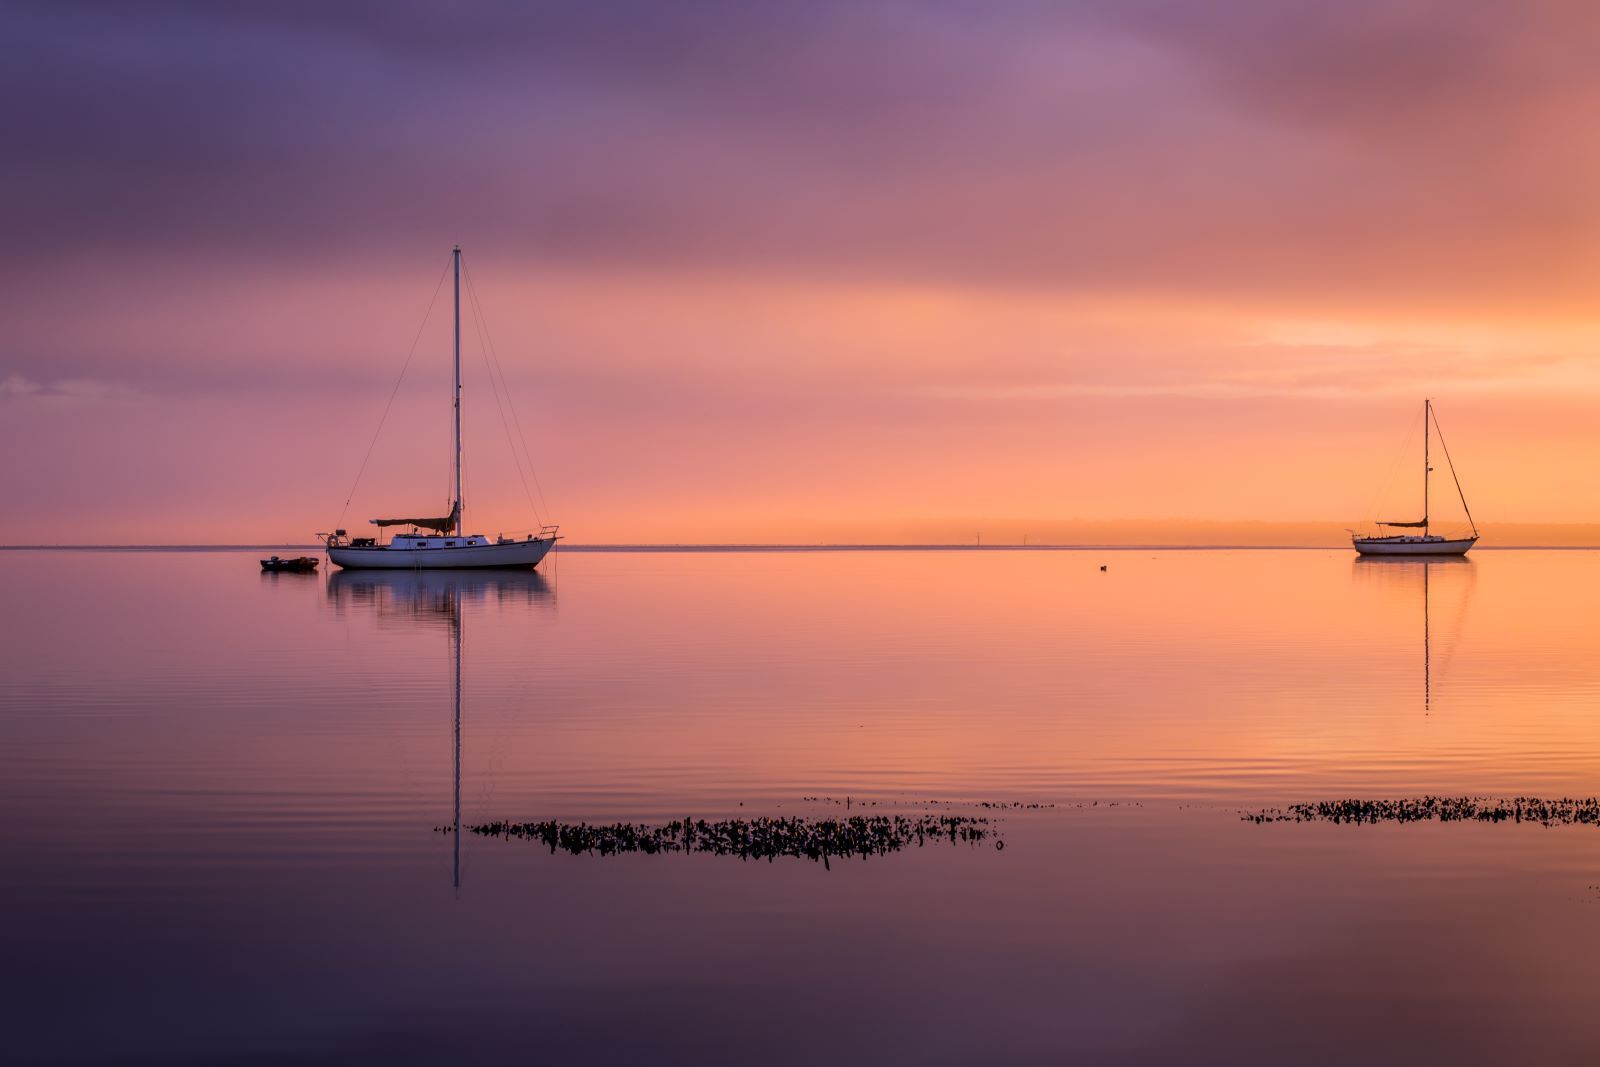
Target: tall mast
[[455, 262], [1427, 416]]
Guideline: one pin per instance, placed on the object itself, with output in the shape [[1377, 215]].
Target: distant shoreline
[[736, 548]]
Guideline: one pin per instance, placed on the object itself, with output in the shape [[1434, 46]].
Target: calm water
[[222, 790]]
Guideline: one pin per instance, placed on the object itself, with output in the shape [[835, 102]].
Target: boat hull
[[521, 554], [1413, 546]]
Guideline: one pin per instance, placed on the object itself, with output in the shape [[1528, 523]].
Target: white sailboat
[[430, 543], [1425, 543]]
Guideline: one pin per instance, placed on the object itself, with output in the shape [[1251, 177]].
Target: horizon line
[[736, 546]]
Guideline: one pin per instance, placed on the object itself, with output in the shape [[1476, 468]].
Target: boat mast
[[455, 262], [1427, 415]]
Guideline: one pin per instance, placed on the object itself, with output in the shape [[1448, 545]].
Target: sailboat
[[1425, 543], [439, 542]]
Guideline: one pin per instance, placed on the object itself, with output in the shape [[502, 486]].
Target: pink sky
[[871, 273]]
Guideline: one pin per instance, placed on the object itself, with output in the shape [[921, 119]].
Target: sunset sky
[[797, 272]]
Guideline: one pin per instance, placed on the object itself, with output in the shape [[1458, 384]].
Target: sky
[[796, 272]]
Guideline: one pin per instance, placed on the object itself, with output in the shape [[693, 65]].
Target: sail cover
[[444, 525], [1409, 525]]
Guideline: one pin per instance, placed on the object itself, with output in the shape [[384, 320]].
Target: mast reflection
[[434, 598], [1408, 576]]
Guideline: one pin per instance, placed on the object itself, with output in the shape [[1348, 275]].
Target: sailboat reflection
[[1405, 575], [429, 596], [432, 597]]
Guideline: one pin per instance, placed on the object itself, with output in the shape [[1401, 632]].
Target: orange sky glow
[[1102, 273]]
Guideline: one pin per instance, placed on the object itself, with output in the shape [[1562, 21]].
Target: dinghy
[[299, 564]]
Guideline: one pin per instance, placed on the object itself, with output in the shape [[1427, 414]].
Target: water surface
[[224, 790]]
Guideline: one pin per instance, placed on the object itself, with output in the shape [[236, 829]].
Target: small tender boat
[[299, 564], [1425, 543]]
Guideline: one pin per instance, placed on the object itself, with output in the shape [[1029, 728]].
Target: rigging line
[[542, 507], [533, 471], [394, 392], [495, 390], [1453, 477]]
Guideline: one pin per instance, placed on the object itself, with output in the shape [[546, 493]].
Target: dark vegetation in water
[[760, 838], [1565, 811]]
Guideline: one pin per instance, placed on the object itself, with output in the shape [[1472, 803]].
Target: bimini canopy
[[443, 525]]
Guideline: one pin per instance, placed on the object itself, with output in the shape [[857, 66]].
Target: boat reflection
[[435, 597], [425, 596], [1406, 577], [289, 577]]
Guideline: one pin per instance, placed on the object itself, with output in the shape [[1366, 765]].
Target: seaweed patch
[[753, 839], [1563, 811]]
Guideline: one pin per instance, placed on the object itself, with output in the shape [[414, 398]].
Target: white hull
[[461, 557], [1413, 546]]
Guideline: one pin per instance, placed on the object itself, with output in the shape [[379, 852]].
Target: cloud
[[1311, 152], [15, 388]]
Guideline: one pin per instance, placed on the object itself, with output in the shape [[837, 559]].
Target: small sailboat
[[1425, 543], [439, 542]]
